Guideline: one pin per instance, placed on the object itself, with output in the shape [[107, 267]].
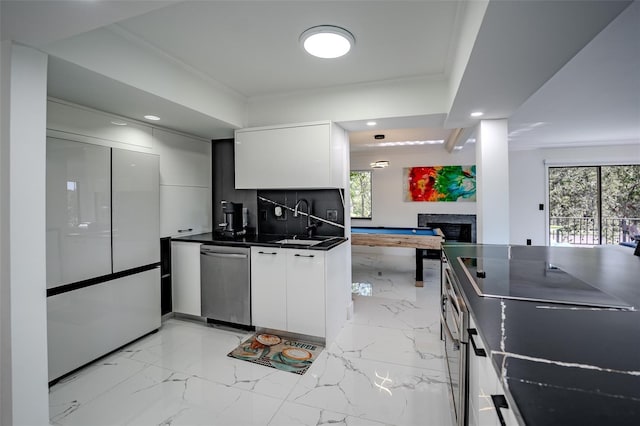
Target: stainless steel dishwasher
[[225, 284]]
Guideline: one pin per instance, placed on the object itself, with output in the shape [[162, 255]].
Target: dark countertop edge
[[252, 241]]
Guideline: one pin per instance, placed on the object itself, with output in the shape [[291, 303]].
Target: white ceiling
[[252, 48]]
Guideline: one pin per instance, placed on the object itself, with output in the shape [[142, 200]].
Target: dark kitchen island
[[563, 364]]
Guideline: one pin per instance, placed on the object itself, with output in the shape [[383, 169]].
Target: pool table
[[417, 238]]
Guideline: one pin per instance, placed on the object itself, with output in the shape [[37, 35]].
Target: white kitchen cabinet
[[184, 210], [185, 277], [311, 155], [88, 125], [136, 209], [287, 290], [268, 287], [184, 161], [483, 383], [306, 292]]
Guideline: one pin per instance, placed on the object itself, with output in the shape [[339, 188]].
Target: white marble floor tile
[[415, 348], [291, 414], [244, 375], [392, 313], [376, 391], [157, 396], [74, 391]]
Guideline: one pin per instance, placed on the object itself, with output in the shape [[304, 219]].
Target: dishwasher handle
[[223, 255]]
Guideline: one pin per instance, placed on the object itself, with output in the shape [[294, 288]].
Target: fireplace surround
[[455, 227]]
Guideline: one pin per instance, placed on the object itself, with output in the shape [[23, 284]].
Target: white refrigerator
[[103, 251]]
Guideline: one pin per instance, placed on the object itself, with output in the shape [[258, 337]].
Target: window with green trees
[[360, 194], [591, 205]]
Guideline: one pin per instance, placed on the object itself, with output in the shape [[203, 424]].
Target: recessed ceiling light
[[118, 123], [406, 143], [477, 114], [371, 123], [152, 117], [327, 41]]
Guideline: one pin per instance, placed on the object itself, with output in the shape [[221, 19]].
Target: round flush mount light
[[152, 117], [118, 123], [371, 123], [477, 114], [327, 41]]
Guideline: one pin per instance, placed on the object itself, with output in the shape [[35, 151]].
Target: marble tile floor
[[385, 368]]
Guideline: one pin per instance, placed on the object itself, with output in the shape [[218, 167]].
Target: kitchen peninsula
[[560, 363], [298, 286]]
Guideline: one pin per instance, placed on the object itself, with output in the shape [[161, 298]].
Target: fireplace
[[455, 227]]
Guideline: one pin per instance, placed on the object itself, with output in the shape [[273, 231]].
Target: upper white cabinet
[[185, 183], [183, 160], [83, 124], [78, 211], [136, 204], [297, 156], [184, 210]]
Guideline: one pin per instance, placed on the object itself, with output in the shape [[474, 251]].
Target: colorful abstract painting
[[440, 183]]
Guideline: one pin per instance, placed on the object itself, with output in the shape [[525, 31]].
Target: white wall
[[25, 394], [388, 205], [5, 319], [492, 159], [527, 179], [397, 98]]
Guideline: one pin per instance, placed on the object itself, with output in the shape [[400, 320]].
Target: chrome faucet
[[310, 227]]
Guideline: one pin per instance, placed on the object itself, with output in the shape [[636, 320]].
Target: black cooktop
[[533, 280]]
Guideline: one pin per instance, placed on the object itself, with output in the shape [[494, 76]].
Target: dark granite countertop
[[262, 240], [563, 364]]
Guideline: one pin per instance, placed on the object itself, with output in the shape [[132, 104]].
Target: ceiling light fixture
[[327, 41], [407, 143], [152, 117], [477, 114], [380, 164], [118, 123], [371, 123]]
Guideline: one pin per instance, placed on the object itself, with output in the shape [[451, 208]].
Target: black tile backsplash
[[324, 204]]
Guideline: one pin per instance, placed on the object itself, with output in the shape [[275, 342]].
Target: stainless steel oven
[[454, 322]]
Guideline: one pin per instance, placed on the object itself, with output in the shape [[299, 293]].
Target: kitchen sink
[[299, 242]]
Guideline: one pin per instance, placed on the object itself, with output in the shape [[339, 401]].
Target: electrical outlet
[[280, 213], [540, 206], [528, 241], [332, 215]]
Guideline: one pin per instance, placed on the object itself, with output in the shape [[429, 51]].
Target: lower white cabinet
[[288, 290], [268, 288], [483, 383], [305, 292], [185, 277]]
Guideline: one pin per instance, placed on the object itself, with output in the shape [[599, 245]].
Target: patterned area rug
[[285, 354]]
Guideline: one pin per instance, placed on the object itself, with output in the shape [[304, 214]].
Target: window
[[594, 204], [360, 194]]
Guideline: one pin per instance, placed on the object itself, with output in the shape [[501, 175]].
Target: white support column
[[24, 393], [492, 167]]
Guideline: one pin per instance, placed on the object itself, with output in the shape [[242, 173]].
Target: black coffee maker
[[232, 213]]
